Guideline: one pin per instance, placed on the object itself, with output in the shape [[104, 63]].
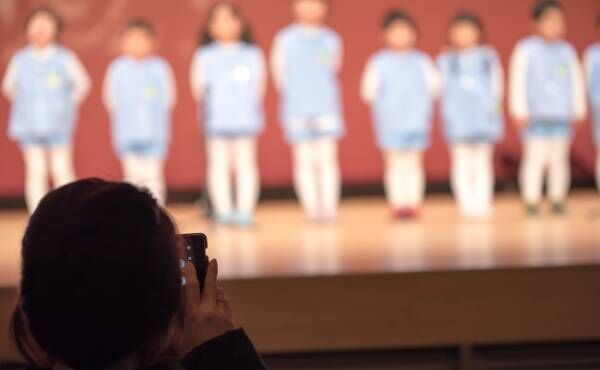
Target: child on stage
[[139, 93], [547, 95], [45, 83], [228, 77], [306, 57], [400, 83], [592, 67], [471, 112]]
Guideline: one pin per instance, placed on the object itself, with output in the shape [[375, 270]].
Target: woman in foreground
[[101, 288]]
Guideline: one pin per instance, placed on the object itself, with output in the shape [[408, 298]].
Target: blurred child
[[139, 93], [45, 83], [306, 57], [228, 77], [592, 67], [400, 83], [472, 112], [547, 95]]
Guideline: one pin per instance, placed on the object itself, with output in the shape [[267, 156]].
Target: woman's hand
[[207, 314]]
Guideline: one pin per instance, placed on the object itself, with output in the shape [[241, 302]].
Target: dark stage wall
[[92, 31]]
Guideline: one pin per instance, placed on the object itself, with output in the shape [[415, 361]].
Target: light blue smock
[[310, 90], [403, 102], [140, 112], [43, 109], [471, 110], [549, 86], [232, 78], [593, 83]]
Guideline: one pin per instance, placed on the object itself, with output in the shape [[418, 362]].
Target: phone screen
[[195, 252]]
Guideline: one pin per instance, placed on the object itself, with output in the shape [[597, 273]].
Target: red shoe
[[406, 214]]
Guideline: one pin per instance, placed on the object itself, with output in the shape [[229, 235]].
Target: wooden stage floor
[[367, 240]]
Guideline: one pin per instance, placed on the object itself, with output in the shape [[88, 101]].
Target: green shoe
[[532, 210], [559, 209]]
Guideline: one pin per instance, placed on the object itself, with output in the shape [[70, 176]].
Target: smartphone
[[195, 246]]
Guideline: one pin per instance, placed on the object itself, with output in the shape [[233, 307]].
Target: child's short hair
[[542, 6], [466, 16], [58, 21], [140, 24], [397, 15]]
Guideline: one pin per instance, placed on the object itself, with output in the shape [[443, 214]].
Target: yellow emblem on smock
[[151, 92], [54, 81], [562, 70], [325, 58]]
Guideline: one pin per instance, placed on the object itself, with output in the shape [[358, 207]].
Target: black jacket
[[231, 351]]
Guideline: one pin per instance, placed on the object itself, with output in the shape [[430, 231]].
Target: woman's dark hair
[[140, 24], [542, 6], [100, 280], [246, 33], [396, 15], [46, 10], [465, 16]]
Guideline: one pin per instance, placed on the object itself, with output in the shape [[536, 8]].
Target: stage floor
[[367, 240]]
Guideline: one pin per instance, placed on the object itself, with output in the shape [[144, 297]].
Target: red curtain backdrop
[[92, 30]]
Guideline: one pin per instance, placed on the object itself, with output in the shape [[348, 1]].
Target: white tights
[[37, 160], [145, 172], [237, 156], [404, 178], [472, 178], [317, 177], [541, 155]]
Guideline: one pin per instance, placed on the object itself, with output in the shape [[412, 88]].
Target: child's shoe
[[327, 218], [532, 210], [406, 214], [559, 208], [224, 219], [244, 221]]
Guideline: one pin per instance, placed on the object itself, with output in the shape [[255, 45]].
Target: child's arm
[[578, 88], [497, 77], [278, 62], [587, 66], [171, 86], [196, 79], [9, 82], [79, 77], [369, 83], [432, 77], [262, 75], [108, 89], [442, 72], [339, 54], [517, 103]]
